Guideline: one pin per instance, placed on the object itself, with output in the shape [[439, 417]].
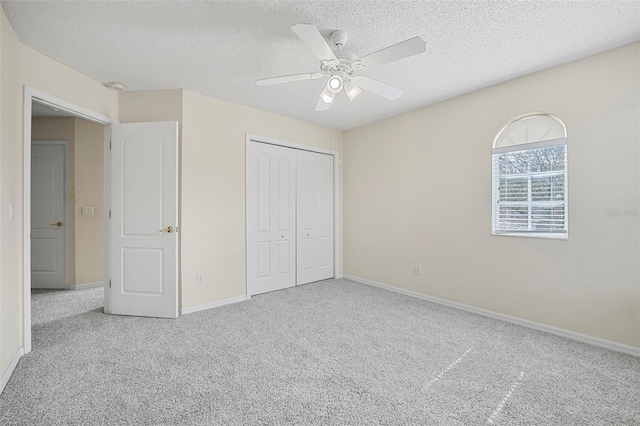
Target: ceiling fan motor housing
[[346, 64], [339, 39]]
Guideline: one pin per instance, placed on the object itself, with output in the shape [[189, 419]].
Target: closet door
[[271, 218], [315, 217]]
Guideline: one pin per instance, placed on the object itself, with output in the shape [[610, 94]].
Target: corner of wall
[[11, 320]]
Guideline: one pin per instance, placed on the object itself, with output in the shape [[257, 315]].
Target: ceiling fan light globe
[[335, 84]]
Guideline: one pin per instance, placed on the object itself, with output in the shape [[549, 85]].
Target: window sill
[[532, 235]]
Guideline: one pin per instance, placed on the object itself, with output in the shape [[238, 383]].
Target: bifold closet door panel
[[314, 217], [271, 218]]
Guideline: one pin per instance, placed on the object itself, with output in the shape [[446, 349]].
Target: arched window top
[[528, 128]]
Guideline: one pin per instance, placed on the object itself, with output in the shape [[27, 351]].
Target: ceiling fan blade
[[377, 87], [288, 78], [352, 89], [413, 46], [310, 35], [326, 98], [322, 105]]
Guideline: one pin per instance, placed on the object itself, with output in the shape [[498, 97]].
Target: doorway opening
[[67, 205], [65, 210]]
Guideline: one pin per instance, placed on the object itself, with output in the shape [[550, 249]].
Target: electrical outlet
[[200, 279], [418, 270]]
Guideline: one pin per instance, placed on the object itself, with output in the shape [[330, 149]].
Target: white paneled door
[[289, 217], [271, 218], [144, 219], [314, 216], [48, 226]]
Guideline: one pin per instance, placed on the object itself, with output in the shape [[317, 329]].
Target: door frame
[[65, 215], [29, 95], [336, 196]]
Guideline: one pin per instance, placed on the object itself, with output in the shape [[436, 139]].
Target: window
[[529, 167]]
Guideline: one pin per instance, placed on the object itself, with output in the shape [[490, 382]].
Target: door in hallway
[[48, 186]]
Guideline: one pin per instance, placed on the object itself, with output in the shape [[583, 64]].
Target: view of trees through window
[[531, 190]]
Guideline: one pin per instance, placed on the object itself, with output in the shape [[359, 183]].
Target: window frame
[[495, 174]]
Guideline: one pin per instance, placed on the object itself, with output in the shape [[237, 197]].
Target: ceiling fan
[[343, 67]]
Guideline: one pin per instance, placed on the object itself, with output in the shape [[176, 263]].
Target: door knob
[[58, 224], [169, 229]]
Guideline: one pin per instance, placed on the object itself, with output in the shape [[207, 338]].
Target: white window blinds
[[530, 188]]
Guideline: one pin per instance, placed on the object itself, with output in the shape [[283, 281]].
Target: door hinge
[[109, 282], [109, 143], [109, 213]]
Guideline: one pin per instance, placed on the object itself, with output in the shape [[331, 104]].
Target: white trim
[[607, 344], [211, 305], [531, 145], [29, 95], [561, 236], [26, 218], [75, 110], [336, 193], [12, 366], [279, 142], [524, 117], [87, 286], [107, 218]]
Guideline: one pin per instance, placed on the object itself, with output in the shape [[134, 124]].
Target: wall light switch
[[200, 279], [418, 270], [87, 211]]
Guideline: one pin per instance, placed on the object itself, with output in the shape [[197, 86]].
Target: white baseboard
[[87, 285], [206, 306], [619, 347], [12, 366]]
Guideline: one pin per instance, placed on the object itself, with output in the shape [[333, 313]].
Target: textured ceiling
[[220, 48]]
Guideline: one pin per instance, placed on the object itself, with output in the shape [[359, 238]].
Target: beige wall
[[151, 105], [89, 192], [62, 128], [213, 189], [21, 65], [418, 192]]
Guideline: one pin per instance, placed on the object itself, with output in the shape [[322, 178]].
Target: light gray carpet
[[334, 352]]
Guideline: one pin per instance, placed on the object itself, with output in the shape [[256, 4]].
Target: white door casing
[[144, 219], [48, 219], [271, 216], [314, 217]]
